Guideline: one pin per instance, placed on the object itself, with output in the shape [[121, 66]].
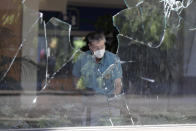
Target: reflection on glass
[[59, 49], [47, 81]]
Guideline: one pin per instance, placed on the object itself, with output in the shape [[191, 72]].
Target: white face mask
[[99, 53]]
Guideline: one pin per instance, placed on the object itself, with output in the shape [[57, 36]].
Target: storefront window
[[50, 78]]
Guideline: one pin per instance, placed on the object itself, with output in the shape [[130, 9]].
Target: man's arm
[[117, 86], [75, 81], [76, 71], [117, 77]]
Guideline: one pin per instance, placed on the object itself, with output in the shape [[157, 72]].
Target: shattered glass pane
[[59, 49], [5, 28], [189, 18], [151, 47], [156, 49], [133, 3], [148, 23]]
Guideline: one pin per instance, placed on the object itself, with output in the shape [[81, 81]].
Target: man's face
[[97, 45]]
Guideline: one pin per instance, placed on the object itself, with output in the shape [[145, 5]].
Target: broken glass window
[[156, 45]]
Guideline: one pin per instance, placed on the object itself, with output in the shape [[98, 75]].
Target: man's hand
[[117, 86]]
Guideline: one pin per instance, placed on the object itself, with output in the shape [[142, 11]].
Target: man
[[100, 71], [97, 69]]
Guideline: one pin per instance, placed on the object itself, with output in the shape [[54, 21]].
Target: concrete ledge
[[187, 127]]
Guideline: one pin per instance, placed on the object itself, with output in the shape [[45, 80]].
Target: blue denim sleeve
[[117, 73], [76, 68]]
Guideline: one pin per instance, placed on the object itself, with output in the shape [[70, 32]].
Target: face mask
[[99, 53]]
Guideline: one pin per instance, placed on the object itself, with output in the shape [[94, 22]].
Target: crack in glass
[[140, 14], [149, 31], [37, 17]]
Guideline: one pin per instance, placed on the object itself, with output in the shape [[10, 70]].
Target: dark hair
[[94, 36]]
